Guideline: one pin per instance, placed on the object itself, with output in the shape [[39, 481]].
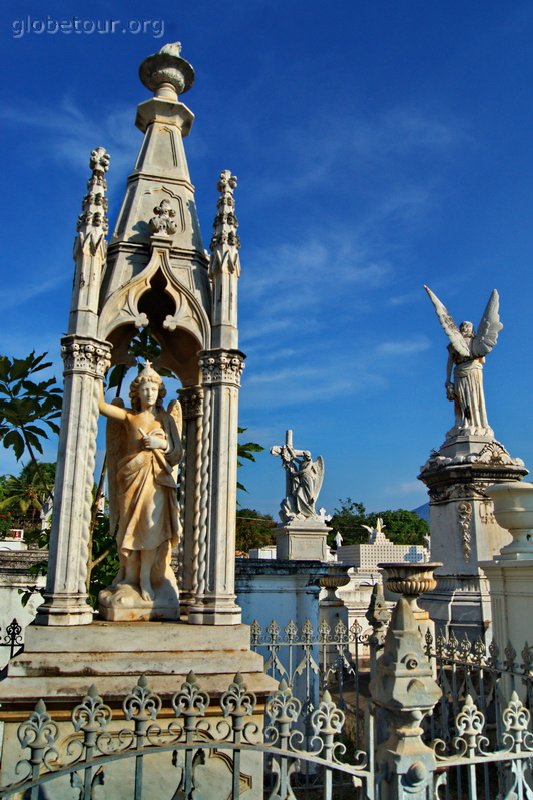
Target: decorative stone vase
[[336, 577], [411, 580], [513, 509]]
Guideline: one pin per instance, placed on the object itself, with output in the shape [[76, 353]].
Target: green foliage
[[26, 404], [253, 529], [347, 520], [246, 450], [105, 563], [401, 526], [25, 494], [404, 527]]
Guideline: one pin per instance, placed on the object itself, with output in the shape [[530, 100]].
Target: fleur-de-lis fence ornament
[[291, 631], [91, 717], [238, 703], [324, 632], [515, 718], [283, 711], [39, 732], [327, 722], [255, 634], [142, 706], [190, 703], [479, 652], [510, 657], [469, 724]]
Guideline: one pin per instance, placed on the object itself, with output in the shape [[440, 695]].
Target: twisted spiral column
[[214, 550], [86, 360]]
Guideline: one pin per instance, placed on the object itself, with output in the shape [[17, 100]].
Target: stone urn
[[336, 577], [513, 509], [410, 580]]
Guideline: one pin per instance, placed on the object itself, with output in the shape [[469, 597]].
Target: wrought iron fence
[[95, 748], [477, 679], [312, 660], [475, 763], [12, 639]]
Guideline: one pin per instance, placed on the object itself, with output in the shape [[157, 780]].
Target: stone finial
[[225, 237], [163, 222], [166, 74], [94, 204]]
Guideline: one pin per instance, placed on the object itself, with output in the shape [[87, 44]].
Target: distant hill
[[422, 511]]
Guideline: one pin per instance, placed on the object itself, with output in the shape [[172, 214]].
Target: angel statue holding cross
[[467, 351], [304, 481]]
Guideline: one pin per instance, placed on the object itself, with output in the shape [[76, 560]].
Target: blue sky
[[378, 145]]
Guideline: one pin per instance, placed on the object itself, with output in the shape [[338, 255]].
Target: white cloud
[[404, 347]]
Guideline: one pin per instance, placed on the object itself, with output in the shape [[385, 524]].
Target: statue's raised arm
[[467, 350]]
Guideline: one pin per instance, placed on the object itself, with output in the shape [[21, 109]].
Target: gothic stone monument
[[303, 532], [153, 272], [464, 530]]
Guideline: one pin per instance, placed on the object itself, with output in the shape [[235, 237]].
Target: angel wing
[[175, 411], [319, 473], [116, 449], [450, 328], [489, 327]]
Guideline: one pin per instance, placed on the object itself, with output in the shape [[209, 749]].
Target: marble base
[[123, 603], [59, 664], [304, 540]]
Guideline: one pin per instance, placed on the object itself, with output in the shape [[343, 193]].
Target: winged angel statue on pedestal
[[467, 351], [144, 447]]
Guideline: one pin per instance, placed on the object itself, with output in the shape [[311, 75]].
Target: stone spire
[[157, 233], [224, 266], [90, 249]]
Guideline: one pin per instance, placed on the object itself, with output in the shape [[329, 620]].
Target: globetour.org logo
[[85, 26]]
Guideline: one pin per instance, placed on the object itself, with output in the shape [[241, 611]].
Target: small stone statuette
[[304, 480], [467, 351], [144, 447]]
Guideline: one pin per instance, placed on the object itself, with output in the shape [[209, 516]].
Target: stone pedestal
[[464, 531], [60, 664], [303, 540]]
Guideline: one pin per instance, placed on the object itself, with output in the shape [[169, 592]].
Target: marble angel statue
[[304, 481], [144, 447], [467, 351]]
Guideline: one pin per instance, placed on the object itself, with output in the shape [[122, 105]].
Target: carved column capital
[[221, 366], [86, 355], [191, 401]]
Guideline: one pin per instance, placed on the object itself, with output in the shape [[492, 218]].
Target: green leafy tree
[[404, 527], [24, 495], [348, 520], [401, 526], [28, 407], [254, 529], [246, 450]]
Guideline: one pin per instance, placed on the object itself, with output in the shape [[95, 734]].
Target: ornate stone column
[[86, 361], [215, 562], [191, 400]]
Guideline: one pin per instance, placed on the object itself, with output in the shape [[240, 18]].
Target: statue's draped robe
[[147, 493], [468, 389]]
